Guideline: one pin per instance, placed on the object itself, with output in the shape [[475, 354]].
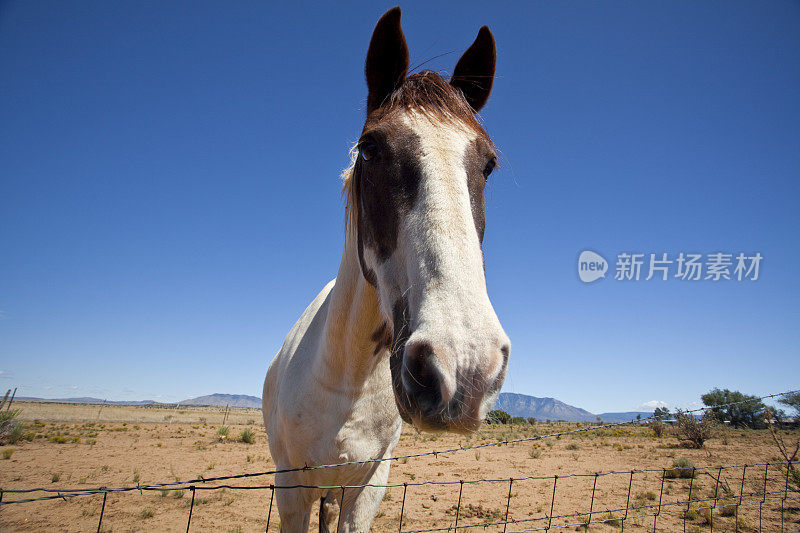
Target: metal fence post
[[102, 510], [508, 503], [191, 508], [458, 507], [628, 501], [688, 500], [402, 508], [269, 510], [552, 504], [741, 495]]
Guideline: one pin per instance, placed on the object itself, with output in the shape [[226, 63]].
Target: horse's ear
[[387, 59], [474, 72]]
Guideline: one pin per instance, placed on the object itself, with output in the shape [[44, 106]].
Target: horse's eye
[[489, 167], [367, 150]]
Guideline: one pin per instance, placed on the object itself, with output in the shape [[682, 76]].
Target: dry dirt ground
[[86, 447]]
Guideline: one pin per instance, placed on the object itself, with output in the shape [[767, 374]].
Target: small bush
[[727, 507], [705, 516], [658, 428], [10, 427], [54, 478], [694, 431], [682, 468], [247, 436], [146, 513], [535, 453], [573, 446], [611, 519], [8, 453], [222, 432]]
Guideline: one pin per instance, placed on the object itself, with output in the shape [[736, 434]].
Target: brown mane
[[425, 92]]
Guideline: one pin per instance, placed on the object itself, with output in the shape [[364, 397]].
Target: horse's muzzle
[[435, 398]]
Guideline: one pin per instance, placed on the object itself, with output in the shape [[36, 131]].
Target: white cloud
[[654, 404]]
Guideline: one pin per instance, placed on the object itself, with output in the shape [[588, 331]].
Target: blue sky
[[169, 190]]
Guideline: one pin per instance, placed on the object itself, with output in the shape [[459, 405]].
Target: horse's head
[[416, 198]]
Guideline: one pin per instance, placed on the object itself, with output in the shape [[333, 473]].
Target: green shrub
[[727, 507], [694, 431], [658, 427], [222, 432], [682, 468], [498, 416], [611, 519], [10, 427], [247, 436], [7, 453]]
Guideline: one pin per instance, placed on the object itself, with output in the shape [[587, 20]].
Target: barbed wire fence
[[759, 485]]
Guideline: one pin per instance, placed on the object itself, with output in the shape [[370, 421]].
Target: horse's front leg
[[294, 505], [361, 504]]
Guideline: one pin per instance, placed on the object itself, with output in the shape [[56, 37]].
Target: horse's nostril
[[421, 375], [505, 350]]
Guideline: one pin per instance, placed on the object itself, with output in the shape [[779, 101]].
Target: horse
[[406, 331]]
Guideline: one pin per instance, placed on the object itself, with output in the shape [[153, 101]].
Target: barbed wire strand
[[193, 486], [784, 493], [436, 453]]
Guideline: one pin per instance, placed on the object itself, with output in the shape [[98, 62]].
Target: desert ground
[[85, 447]]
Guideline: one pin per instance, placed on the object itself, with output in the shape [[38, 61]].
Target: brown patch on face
[[383, 186], [478, 155], [386, 187], [401, 320], [382, 337]]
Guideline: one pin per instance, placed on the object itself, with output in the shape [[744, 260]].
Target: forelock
[[428, 93]]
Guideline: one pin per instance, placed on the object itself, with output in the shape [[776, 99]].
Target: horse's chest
[[340, 432]]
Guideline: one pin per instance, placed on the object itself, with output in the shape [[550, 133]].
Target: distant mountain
[[234, 400], [84, 399], [623, 417], [541, 408], [513, 404]]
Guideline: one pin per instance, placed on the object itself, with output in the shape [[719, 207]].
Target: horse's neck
[[349, 358]]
